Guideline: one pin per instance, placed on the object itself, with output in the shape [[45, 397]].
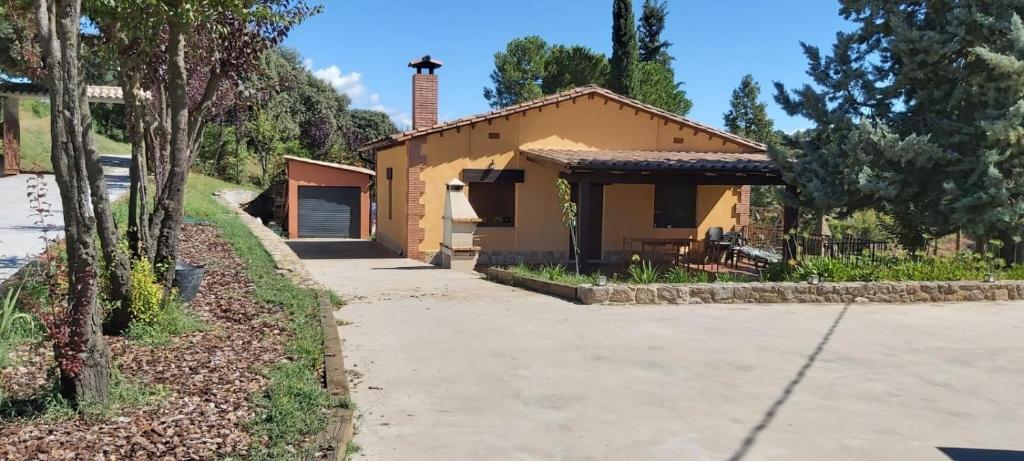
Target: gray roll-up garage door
[[329, 212]]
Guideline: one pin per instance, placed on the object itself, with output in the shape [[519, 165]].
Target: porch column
[[790, 225], [12, 137], [583, 224]]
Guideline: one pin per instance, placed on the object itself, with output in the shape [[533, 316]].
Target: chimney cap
[[426, 62]]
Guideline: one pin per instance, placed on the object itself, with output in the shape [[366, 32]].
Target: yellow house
[[638, 174]]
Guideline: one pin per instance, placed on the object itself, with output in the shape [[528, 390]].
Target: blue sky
[[362, 47]]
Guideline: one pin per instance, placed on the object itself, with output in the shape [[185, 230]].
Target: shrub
[[643, 272], [683, 275], [40, 108], [147, 294], [1016, 272], [9, 316]]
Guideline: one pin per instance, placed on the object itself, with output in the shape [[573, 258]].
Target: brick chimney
[[424, 92]]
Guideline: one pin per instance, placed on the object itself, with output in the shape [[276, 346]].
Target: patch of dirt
[[210, 376]]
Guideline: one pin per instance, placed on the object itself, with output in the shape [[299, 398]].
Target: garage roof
[[332, 165]]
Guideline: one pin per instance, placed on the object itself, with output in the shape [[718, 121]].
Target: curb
[[341, 426]]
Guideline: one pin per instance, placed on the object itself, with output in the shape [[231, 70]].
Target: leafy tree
[[364, 126], [918, 113], [573, 66], [518, 72], [656, 85], [652, 23], [83, 357], [625, 52]]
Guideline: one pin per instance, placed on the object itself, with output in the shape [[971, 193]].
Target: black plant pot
[[187, 279]]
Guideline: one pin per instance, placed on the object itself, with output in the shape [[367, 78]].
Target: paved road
[[19, 233], [453, 367]]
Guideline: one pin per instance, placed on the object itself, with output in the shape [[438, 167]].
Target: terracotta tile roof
[[556, 98], [96, 93], [337, 166], [757, 163]]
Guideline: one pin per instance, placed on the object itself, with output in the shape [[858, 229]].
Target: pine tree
[[652, 24], [747, 115], [625, 50], [518, 72], [902, 127]]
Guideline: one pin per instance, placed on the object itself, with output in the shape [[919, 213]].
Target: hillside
[[35, 141]]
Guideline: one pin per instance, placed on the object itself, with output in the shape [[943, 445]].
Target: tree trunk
[[85, 358], [135, 112], [172, 196], [116, 262]]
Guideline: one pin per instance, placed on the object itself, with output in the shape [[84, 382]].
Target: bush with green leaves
[[147, 294], [683, 275], [643, 272], [962, 267]]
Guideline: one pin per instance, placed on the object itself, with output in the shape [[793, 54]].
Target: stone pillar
[[12, 137]]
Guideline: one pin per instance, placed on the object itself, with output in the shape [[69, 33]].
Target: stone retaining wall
[[768, 293]]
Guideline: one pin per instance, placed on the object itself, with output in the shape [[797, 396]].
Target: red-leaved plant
[[53, 309]]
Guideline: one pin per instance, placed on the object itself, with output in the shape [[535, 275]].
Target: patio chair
[[714, 244]]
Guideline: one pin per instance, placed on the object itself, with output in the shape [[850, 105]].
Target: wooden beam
[[655, 176], [493, 175], [12, 137], [583, 223]]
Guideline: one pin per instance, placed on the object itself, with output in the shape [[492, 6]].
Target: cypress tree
[[652, 24], [625, 51]]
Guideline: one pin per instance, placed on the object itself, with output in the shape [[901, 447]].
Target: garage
[[327, 200], [328, 212]]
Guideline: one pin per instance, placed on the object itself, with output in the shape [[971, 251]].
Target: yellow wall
[[632, 206], [391, 232], [587, 123]]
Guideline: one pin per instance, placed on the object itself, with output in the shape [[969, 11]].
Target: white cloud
[[351, 84]]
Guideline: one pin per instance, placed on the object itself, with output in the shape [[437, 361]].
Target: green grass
[[174, 319], [125, 393], [295, 405], [35, 140]]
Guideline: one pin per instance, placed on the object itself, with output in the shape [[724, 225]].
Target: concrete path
[[448, 366], [19, 233]]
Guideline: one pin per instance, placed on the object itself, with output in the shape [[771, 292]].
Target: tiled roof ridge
[[552, 99]]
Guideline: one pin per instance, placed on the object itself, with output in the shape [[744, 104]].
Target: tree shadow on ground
[[787, 392], [981, 454]]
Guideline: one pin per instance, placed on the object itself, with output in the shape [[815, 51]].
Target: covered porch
[[700, 203]]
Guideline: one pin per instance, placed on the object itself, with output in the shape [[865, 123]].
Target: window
[[391, 190], [494, 202], [675, 205]]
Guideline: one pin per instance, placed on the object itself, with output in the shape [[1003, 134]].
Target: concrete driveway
[[449, 366], [19, 233]]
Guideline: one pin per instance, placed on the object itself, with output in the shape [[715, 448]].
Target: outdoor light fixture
[[602, 280], [813, 280], [990, 278]]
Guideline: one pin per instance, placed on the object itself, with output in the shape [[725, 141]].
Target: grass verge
[[295, 406], [35, 141]]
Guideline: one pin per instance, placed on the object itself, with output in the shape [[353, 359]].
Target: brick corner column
[[416, 210], [743, 207]]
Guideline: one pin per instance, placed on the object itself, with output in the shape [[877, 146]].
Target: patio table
[[677, 244]]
